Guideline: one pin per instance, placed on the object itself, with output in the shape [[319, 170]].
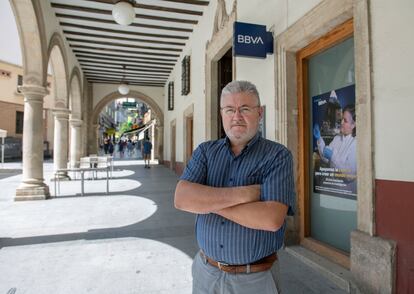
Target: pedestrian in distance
[[110, 148], [121, 148], [146, 148], [241, 188], [130, 148], [106, 145]]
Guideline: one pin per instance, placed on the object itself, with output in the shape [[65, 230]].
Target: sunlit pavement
[[130, 241]]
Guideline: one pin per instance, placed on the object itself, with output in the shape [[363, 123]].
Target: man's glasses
[[243, 110]]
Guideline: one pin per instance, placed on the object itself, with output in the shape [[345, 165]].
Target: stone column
[[75, 142], [93, 139], [60, 149], [32, 186]]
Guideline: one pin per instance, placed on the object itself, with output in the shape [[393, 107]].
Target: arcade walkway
[[131, 241]]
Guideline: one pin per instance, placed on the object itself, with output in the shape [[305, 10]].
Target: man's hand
[[197, 198]]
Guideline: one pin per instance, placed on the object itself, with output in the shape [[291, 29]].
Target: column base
[[373, 261], [32, 192], [61, 177]]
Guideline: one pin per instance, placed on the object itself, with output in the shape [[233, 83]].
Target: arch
[[75, 93], [94, 119], [57, 57], [132, 94], [29, 21]]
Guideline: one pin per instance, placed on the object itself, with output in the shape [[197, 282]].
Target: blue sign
[[251, 40]]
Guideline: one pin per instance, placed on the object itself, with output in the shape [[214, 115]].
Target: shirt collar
[[255, 139]]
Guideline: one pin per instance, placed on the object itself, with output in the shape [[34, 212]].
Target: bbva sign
[[246, 39], [251, 40]]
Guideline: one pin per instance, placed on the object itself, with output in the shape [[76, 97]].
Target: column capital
[[33, 92], [75, 122], [61, 113]]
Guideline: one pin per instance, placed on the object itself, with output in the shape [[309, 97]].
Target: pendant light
[[123, 88], [123, 12]]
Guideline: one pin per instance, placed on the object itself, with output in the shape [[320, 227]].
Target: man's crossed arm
[[239, 204]]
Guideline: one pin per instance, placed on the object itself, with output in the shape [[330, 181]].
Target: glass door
[[327, 185], [331, 86]]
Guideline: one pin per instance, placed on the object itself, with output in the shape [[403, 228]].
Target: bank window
[[171, 96], [19, 82], [19, 122], [185, 75]]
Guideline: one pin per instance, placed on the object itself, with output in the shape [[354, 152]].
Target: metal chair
[[102, 162], [85, 162]]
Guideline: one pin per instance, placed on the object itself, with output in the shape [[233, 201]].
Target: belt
[[261, 265]]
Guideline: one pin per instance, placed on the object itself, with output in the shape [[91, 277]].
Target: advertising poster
[[334, 143]]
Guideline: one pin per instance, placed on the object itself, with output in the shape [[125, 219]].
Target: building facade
[[328, 59], [12, 110], [323, 51]]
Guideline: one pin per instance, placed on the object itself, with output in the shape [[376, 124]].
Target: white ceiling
[[148, 48]]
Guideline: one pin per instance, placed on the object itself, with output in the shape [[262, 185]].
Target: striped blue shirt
[[261, 162]]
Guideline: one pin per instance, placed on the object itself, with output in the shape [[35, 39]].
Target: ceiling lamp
[[123, 88], [123, 12]]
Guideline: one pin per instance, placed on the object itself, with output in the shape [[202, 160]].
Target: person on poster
[[241, 188], [341, 152]]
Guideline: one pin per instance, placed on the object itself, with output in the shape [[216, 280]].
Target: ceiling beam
[[192, 2], [140, 25], [143, 6], [142, 68], [97, 71], [120, 38], [125, 45], [84, 57], [109, 68], [86, 54], [121, 50], [139, 16], [135, 55], [74, 25], [106, 81], [157, 8], [123, 79]]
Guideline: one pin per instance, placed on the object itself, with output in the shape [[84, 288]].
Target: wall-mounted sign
[[252, 40], [129, 104]]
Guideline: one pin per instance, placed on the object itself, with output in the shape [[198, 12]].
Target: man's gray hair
[[240, 87]]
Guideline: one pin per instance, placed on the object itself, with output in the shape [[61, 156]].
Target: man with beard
[[241, 188]]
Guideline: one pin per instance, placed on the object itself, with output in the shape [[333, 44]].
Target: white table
[[82, 172]]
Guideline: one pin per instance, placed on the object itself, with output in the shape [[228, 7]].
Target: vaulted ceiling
[[142, 53]]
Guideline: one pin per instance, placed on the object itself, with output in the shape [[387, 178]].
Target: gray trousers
[[208, 279]]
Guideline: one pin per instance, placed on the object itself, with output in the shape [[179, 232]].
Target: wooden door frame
[[173, 140], [332, 38], [188, 139]]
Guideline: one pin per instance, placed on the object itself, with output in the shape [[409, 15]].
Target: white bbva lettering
[[249, 39]]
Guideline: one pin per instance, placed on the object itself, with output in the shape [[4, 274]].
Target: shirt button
[[222, 222], [221, 246], [231, 180]]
